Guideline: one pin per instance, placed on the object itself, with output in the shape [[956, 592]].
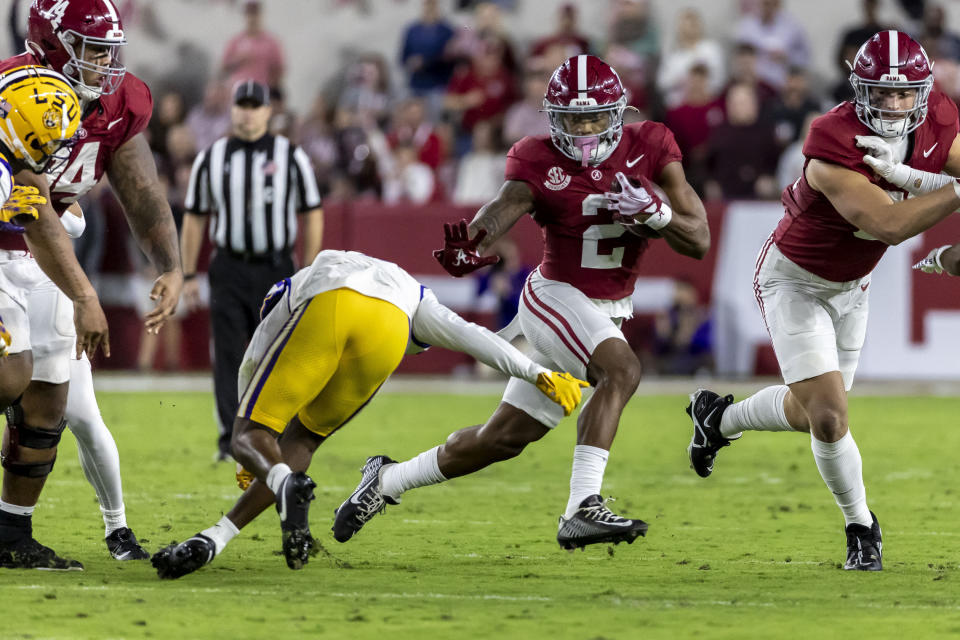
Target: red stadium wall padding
[[932, 293], [407, 235]]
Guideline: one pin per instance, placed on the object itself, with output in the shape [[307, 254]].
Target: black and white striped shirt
[[255, 189]]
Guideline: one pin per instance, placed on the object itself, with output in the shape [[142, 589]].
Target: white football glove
[[876, 147], [931, 264], [631, 203], [895, 173]]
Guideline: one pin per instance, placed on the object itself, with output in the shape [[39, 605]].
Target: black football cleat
[[177, 560], [705, 409], [366, 501], [594, 523], [864, 547], [293, 505], [123, 545], [27, 553]]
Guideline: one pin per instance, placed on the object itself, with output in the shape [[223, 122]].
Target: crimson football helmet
[[585, 88], [891, 60], [60, 33]]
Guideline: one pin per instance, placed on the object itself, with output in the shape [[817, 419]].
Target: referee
[[253, 185]]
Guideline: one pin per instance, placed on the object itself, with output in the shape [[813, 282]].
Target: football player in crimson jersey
[[813, 274], [573, 304], [81, 39]]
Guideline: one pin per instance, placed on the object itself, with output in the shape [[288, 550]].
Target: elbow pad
[[73, 225]]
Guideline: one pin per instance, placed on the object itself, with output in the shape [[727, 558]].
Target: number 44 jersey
[[583, 246], [106, 125]]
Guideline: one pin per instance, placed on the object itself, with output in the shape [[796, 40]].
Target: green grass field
[[752, 552]]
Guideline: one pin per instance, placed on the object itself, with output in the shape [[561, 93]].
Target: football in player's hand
[[641, 230]]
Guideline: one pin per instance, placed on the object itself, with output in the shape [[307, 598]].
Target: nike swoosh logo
[[926, 154], [361, 489], [630, 163], [119, 119], [283, 505]]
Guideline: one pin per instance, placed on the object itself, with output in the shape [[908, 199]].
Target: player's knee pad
[[22, 435]]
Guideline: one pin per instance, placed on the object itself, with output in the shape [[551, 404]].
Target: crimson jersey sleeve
[[832, 139], [523, 163], [661, 138], [138, 106]]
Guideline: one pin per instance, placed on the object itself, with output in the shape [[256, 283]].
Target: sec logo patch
[[556, 179]]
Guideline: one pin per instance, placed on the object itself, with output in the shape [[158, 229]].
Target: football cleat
[[594, 523], [293, 505], [705, 409], [27, 553], [864, 547], [366, 501], [123, 545], [176, 560]]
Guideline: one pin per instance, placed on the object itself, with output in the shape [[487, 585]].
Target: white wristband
[[920, 182], [660, 218], [73, 225]]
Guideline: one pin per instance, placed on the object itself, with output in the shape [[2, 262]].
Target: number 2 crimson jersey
[[583, 246], [812, 233], [106, 125]]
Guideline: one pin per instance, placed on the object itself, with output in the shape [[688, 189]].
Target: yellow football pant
[[326, 362]]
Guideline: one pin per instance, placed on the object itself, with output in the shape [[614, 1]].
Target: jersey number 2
[[591, 258]]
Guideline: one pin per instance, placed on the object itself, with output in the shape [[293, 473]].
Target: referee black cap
[[251, 93]]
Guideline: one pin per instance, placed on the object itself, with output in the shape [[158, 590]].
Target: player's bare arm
[[952, 166], [133, 176], [514, 200], [870, 209], [950, 259], [688, 233], [49, 244]]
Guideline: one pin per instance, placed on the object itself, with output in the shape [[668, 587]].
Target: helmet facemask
[[111, 75], [592, 148], [889, 123]]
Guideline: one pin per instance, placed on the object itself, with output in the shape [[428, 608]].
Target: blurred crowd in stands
[[434, 124]]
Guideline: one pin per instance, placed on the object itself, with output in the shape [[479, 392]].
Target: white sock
[[95, 444], [222, 533], [763, 411], [589, 463], [113, 519], [16, 509], [841, 468], [420, 471], [277, 474]]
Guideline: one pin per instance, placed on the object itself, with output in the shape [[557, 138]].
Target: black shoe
[[27, 553], [123, 545], [594, 523], [293, 505], [705, 409], [864, 547], [177, 560], [366, 501]]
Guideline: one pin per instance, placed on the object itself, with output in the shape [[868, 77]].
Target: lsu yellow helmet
[[39, 113]]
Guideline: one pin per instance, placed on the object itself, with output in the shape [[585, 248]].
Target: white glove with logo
[[634, 205], [931, 264], [880, 158], [876, 147], [895, 173]]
